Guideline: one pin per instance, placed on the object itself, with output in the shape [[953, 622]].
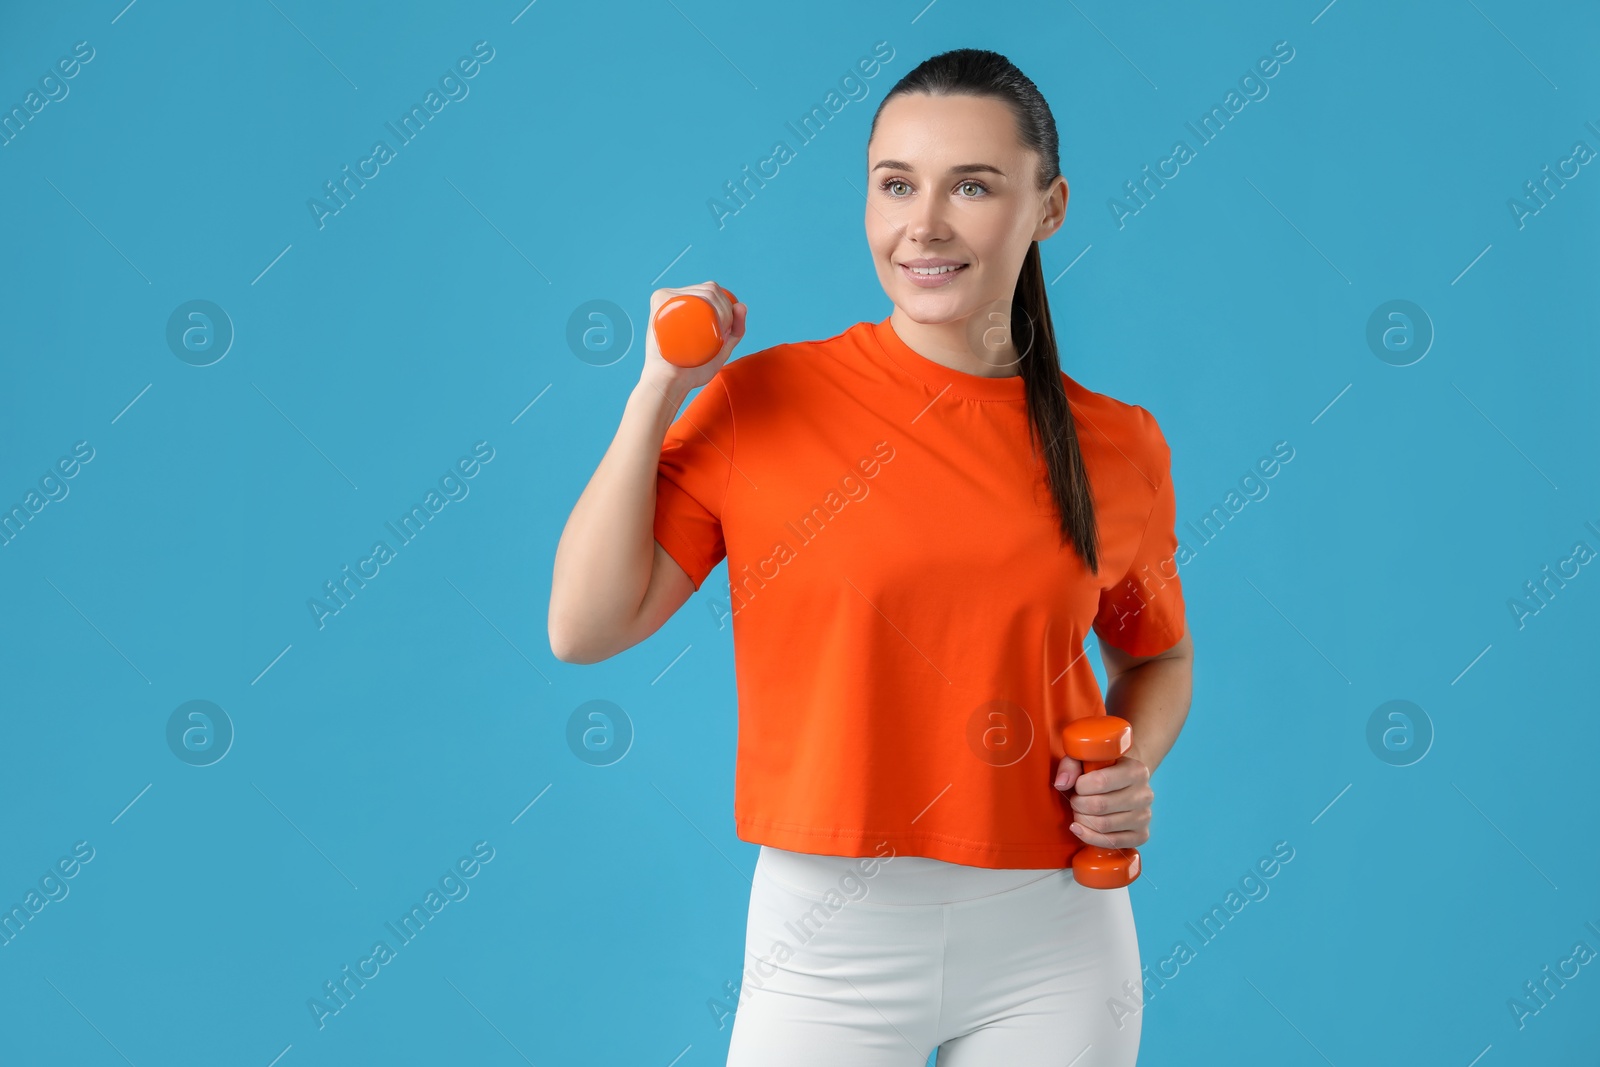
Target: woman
[[923, 518]]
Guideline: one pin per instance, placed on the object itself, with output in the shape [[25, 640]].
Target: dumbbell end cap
[[1105, 868], [1100, 738]]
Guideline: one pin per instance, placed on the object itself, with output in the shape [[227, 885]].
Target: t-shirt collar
[[938, 376]]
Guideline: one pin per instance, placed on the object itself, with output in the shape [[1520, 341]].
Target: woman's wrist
[[664, 395], [1134, 751]]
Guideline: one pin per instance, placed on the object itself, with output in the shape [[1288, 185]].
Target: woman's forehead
[[945, 131]]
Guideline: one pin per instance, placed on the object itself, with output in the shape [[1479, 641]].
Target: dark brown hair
[[977, 72]]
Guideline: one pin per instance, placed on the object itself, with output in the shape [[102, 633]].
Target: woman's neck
[[979, 344]]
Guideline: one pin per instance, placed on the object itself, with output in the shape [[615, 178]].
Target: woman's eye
[[888, 185]]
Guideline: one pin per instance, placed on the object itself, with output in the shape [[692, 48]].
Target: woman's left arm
[[1112, 805], [1152, 693]]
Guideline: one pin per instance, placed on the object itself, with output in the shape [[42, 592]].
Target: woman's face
[[949, 182]]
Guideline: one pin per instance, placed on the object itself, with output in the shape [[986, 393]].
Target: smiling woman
[[993, 601], [915, 680]]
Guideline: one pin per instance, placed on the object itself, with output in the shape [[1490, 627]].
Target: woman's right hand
[[668, 375]]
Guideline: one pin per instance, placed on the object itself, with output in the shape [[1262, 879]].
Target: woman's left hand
[[1111, 806]]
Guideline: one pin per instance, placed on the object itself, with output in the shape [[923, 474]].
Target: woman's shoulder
[[789, 361], [1128, 426]]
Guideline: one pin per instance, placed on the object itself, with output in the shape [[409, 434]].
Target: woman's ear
[[1055, 210]]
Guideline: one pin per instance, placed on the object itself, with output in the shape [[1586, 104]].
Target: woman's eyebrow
[[963, 168]]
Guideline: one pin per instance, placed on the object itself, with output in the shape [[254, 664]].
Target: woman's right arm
[[613, 585]]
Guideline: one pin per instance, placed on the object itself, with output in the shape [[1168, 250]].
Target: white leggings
[[1013, 967]]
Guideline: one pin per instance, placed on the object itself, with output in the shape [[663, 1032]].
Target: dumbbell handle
[[688, 330], [1098, 741]]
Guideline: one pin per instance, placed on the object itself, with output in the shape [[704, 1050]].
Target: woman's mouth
[[931, 277]]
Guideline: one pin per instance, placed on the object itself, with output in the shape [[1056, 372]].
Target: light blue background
[[432, 311]]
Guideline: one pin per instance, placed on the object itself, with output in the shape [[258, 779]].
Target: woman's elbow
[[566, 642], [564, 650], [568, 645], [576, 644]]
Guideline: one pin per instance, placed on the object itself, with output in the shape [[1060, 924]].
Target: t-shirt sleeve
[[692, 481], [1143, 612]]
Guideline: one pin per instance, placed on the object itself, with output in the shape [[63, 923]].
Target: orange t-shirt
[[908, 626]]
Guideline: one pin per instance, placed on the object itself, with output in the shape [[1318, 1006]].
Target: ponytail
[[1050, 420]]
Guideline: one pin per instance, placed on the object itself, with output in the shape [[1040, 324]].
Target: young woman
[[923, 519]]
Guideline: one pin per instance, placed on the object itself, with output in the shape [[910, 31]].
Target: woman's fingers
[[1068, 773], [1122, 774], [1119, 828], [1131, 818], [1120, 839], [736, 316], [1111, 807], [1134, 797]]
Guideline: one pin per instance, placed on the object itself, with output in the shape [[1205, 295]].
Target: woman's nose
[[925, 221], [924, 227]]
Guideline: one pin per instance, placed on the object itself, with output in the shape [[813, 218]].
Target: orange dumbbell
[[688, 330], [1098, 741]]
